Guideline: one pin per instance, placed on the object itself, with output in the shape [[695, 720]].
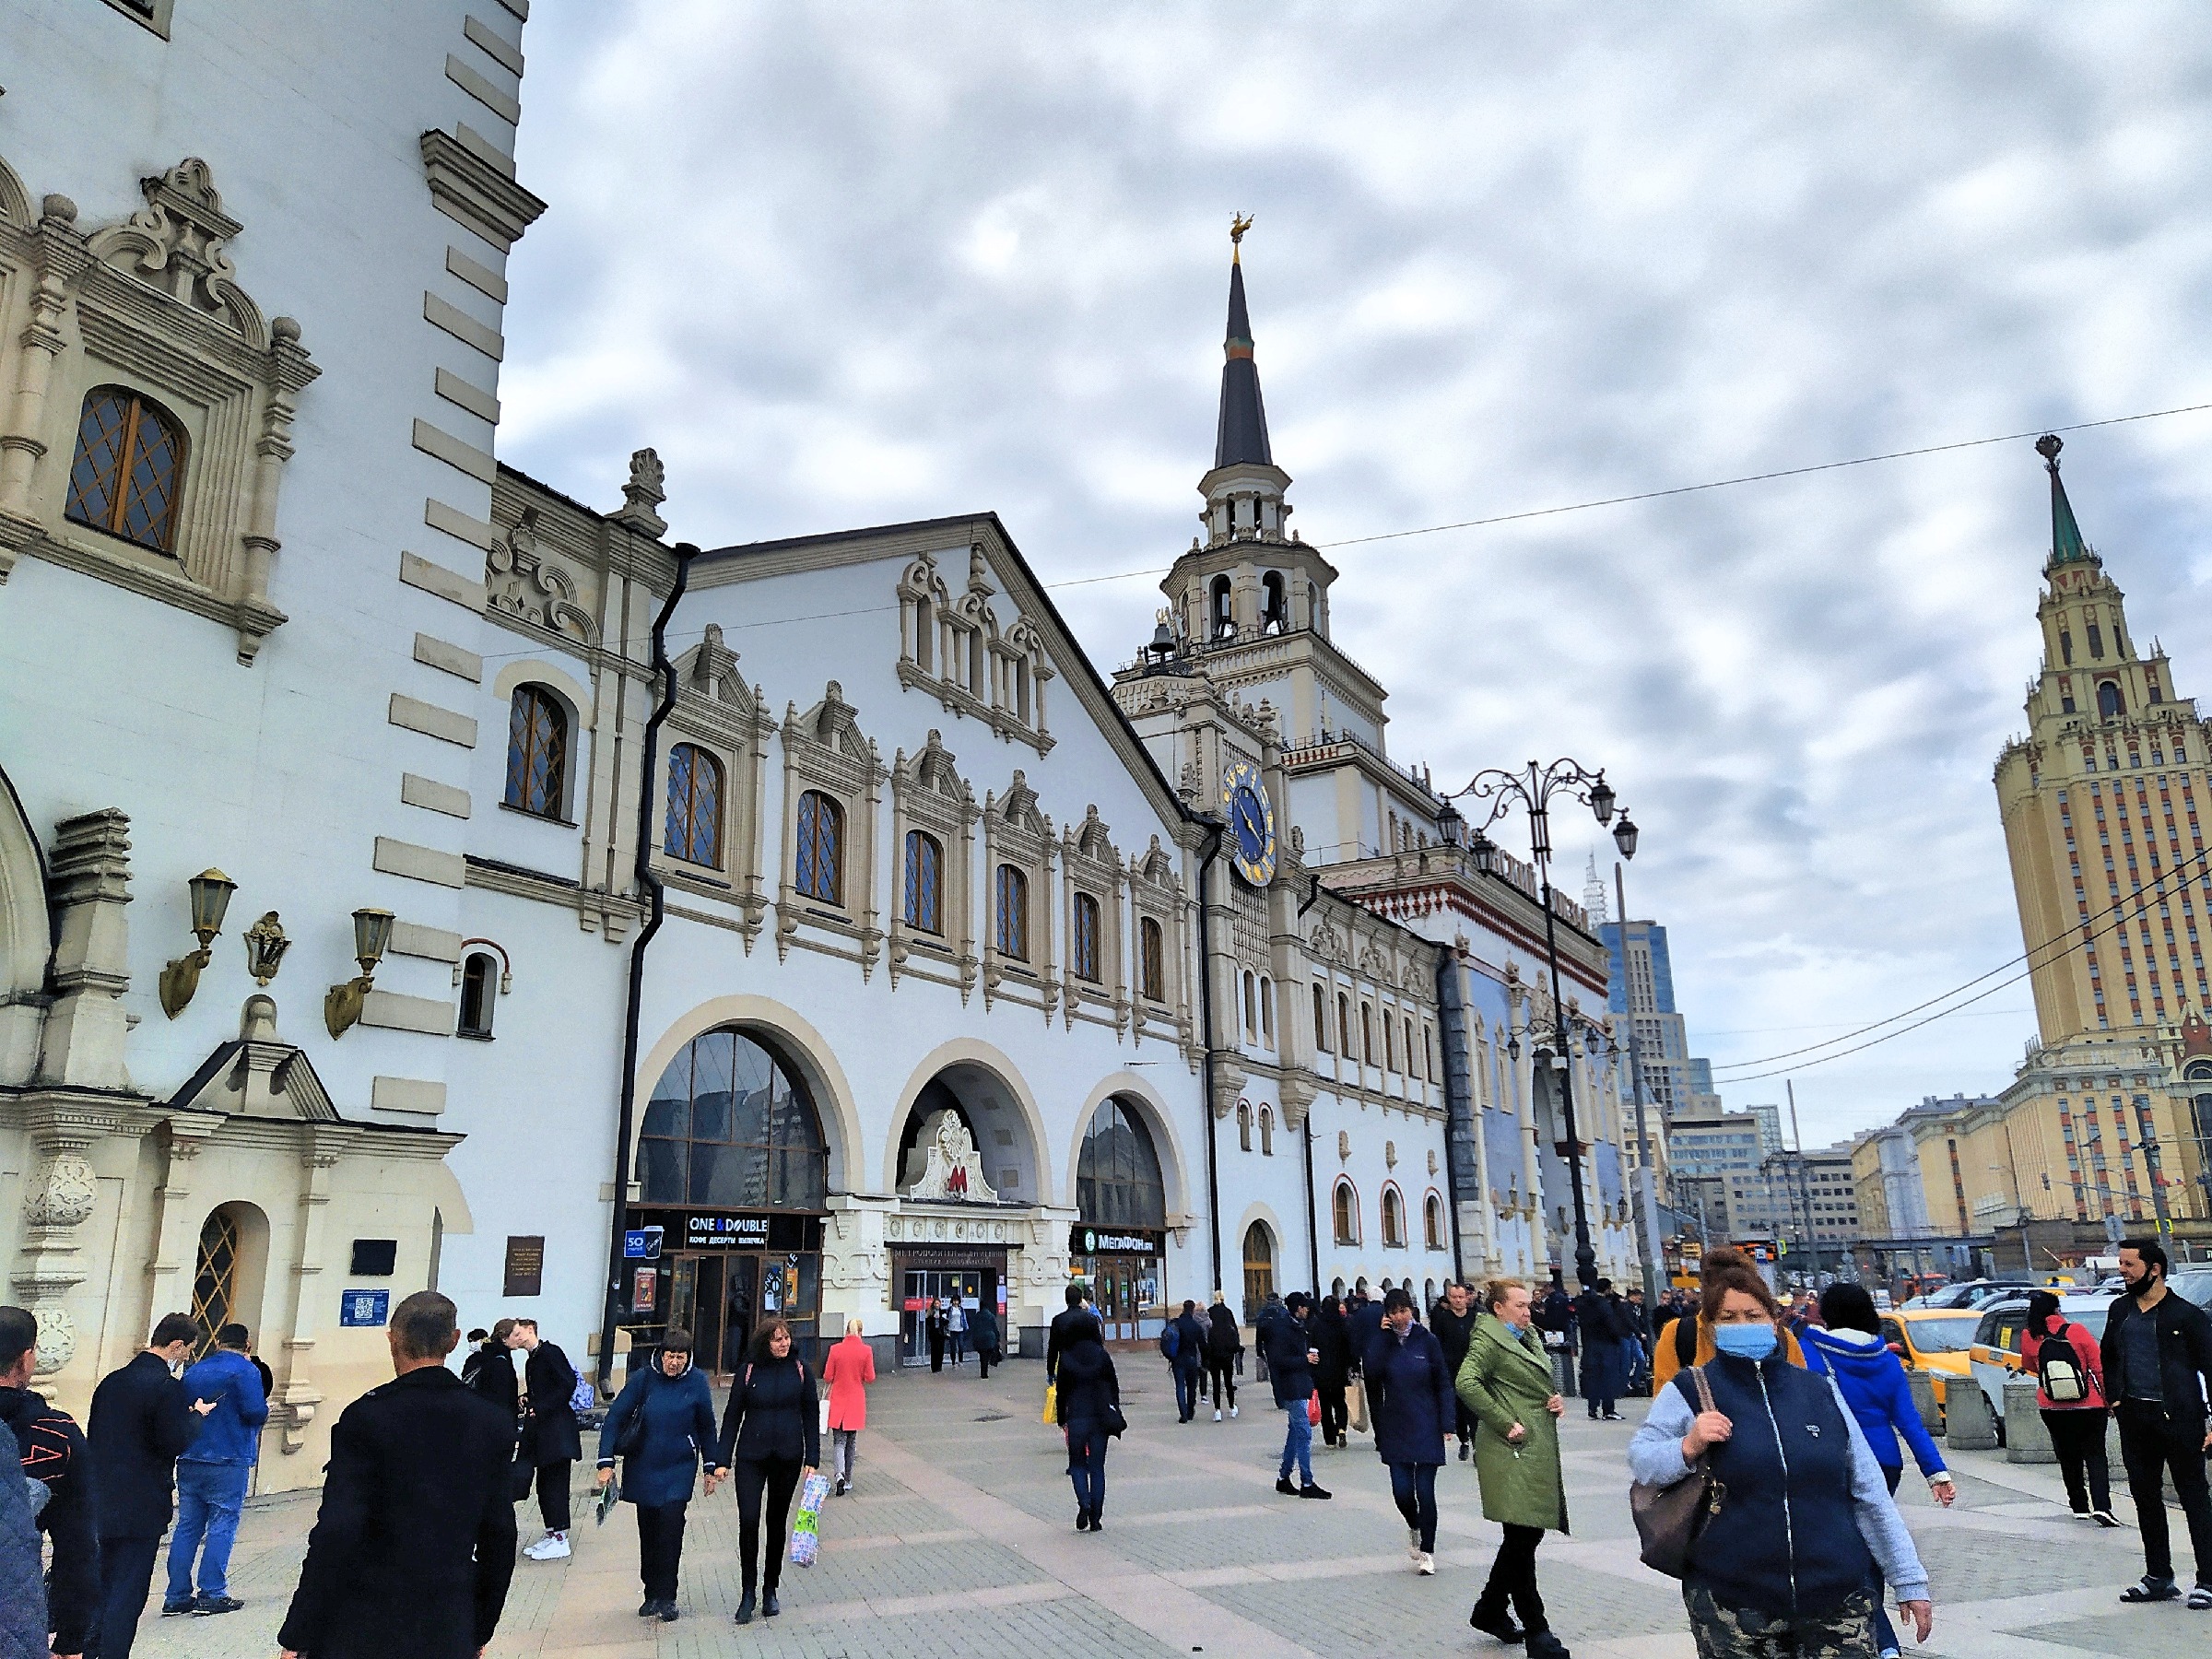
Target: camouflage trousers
[[1725, 1633]]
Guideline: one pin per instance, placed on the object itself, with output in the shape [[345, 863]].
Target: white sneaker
[[553, 1546], [1233, 1411], [1217, 1414], [1425, 1564]]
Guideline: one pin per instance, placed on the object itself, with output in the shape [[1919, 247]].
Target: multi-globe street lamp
[[1534, 792]]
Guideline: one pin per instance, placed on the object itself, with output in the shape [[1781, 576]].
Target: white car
[[1995, 1355]]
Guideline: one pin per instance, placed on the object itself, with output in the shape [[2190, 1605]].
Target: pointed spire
[[2066, 546], [1242, 434]]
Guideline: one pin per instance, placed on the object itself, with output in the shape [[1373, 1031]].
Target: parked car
[[1934, 1340], [1995, 1354]]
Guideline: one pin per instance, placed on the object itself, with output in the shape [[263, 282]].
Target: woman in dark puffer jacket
[[1090, 1396], [771, 1439]]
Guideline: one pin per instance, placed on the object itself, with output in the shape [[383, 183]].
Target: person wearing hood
[[1784, 1563], [2077, 1426], [666, 1411], [1224, 1342], [1509, 1382], [1089, 1408], [1847, 1345]]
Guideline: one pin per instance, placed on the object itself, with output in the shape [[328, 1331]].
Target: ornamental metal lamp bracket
[[342, 1005], [265, 946], [211, 891]]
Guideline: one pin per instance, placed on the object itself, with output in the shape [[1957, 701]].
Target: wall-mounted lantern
[[265, 946], [371, 935], [211, 891]]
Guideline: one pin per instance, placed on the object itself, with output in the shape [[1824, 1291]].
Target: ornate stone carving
[[175, 243], [523, 580], [65, 1193], [952, 1169], [643, 494], [57, 1341]]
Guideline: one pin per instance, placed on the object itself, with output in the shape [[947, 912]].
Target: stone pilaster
[[90, 885]]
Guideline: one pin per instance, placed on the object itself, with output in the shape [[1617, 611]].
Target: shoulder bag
[[1669, 1518]]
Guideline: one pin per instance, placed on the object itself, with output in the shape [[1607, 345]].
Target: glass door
[[920, 1284], [741, 1278], [706, 1335]]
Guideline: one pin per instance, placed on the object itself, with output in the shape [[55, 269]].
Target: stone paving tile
[[957, 1542]]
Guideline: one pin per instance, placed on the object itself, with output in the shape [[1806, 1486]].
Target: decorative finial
[[1238, 224], [2048, 446]]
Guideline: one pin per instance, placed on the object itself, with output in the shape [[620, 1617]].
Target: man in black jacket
[[53, 1455], [2157, 1361], [1078, 1312], [1453, 1320], [140, 1421], [414, 1545], [550, 1437]]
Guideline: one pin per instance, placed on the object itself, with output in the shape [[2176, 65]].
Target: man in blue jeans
[[1290, 1361], [212, 1474]]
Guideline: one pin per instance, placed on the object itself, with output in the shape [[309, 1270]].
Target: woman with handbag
[[770, 1440], [1088, 1406], [660, 1425], [1508, 1382], [1785, 1557]]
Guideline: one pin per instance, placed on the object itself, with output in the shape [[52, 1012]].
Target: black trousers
[[2078, 1436], [1333, 1414], [553, 1480], [1463, 1420], [660, 1546], [2151, 1444], [764, 1484], [1513, 1578], [985, 1358], [126, 1573], [936, 1351], [1220, 1375]]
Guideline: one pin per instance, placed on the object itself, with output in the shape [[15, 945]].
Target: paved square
[[959, 1540]]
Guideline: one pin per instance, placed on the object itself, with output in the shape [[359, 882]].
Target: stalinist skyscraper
[[2101, 802]]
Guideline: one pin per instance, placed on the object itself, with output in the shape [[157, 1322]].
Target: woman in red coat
[[2077, 1426], [849, 1368]]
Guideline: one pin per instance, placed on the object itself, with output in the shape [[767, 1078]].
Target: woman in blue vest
[[1786, 1559]]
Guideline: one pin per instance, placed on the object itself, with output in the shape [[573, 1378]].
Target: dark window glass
[[479, 984], [1345, 1212], [128, 468], [924, 882], [1087, 937], [730, 1128], [2109, 704], [694, 832], [820, 873], [538, 751], [1012, 904], [1118, 1181], [1151, 957]]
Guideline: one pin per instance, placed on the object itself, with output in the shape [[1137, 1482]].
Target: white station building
[[329, 964]]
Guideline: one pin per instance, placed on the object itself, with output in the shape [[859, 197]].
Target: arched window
[[1413, 1064], [1432, 1222], [1085, 952], [1244, 1125], [820, 872], [1344, 1209], [227, 1270], [1275, 604], [128, 470], [1117, 1173], [1394, 1218], [730, 1126], [1367, 1032], [1223, 618], [694, 832], [1267, 1010], [1321, 1021], [1259, 1268], [538, 752], [1012, 901], [2109, 703], [1389, 1042], [479, 985], [1344, 1024], [924, 882], [1152, 968], [1252, 1010], [1267, 1132]]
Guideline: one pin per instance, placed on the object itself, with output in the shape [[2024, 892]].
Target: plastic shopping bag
[[806, 1530], [1313, 1408], [1357, 1397], [1051, 1404]]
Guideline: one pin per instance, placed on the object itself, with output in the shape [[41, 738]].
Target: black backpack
[[2058, 1368]]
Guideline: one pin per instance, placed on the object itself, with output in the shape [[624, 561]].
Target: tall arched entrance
[[228, 1269], [1122, 1205], [734, 1179], [1259, 1268]]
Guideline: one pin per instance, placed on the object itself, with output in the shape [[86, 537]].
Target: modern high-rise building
[[2101, 802]]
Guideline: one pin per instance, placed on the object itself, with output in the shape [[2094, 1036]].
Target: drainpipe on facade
[[1206, 1035], [1312, 1230], [1459, 1091], [663, 672]]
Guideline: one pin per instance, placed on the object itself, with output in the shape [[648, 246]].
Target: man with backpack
[[551, 1440], [1183, 1346], [2069, 1394]]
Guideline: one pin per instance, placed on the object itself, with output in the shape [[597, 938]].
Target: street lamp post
[[1534, 793]]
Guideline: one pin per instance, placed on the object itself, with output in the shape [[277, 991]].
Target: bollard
[[1971, 1425], [2026, 1439], [1923, 1399]]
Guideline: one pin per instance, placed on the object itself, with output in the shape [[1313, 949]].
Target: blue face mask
[[1745, 1341]]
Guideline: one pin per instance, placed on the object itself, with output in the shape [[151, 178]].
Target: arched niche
[[988, 1095], [1141, 1100]]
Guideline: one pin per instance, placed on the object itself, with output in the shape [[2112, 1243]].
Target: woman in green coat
[[1506, 1382]]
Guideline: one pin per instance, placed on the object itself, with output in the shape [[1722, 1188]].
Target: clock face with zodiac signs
[[1251, 817]]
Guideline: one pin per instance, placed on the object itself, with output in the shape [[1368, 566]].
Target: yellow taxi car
[[1932, 1339]]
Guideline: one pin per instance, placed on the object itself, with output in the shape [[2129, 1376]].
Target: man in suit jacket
[[550, 1438], [141, 1419], [414, 1545]]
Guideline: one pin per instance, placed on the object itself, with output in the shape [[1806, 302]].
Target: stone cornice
[[468, 188]]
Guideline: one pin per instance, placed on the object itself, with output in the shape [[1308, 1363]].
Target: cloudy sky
[[846, 264]]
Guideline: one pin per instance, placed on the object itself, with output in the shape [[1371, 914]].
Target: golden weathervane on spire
[[1238, 224]]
